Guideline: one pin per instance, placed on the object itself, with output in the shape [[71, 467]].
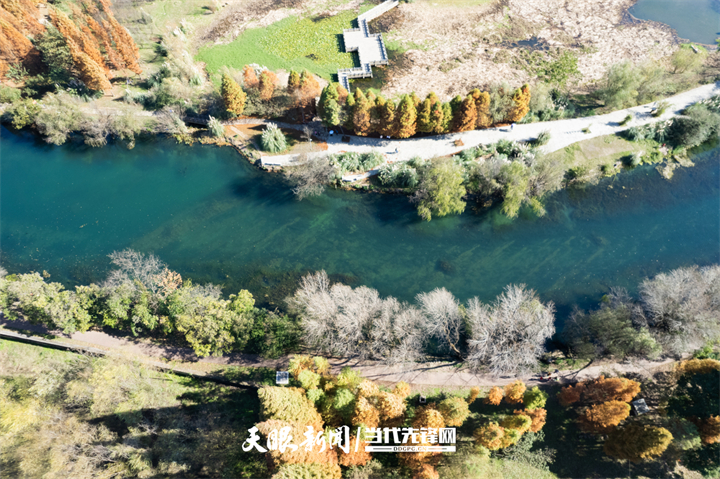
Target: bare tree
[[310, 176], [509, 336], [683, 307], [96, 129], [442, 318], [345, 321], [134, 266], [307, 133]]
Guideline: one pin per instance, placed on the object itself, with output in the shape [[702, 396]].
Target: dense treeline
[[515, 173], [675, 314], [141, 295], [370, 114]]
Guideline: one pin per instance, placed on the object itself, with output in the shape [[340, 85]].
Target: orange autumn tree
[[89, 72], [15, 48], [600, 390], [495, 396], [250, 79], [84, 43], [474, 393], [266, 84], [124, 43], [537, 416], [603, 418], [423, 463]]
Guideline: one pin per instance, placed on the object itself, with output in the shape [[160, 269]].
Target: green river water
[[213, 217], [695, 20]]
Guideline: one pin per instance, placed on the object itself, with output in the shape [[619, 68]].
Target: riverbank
[[563, 133]]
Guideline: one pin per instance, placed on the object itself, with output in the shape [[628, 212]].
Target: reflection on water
[[213, 217], [695, 20]]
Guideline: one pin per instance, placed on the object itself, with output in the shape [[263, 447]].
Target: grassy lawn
[[599, 151], [291, 43]]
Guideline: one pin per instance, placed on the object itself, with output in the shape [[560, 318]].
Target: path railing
[[365, 69]]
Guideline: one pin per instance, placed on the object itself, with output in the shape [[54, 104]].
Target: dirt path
[[447, 375], [562, 132]]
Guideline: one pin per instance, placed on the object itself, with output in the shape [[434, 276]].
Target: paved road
[[562, 132]]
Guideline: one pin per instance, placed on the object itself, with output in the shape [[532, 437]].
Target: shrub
[[542, 139], [626, 120], [9, 94], [21, 113], [660, 109], [636, 159], [273, 139], [216, 127], [60, 117], [310, 177], [490, 436]]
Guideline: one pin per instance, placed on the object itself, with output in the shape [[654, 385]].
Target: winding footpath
[[562, 133], [421, 376]]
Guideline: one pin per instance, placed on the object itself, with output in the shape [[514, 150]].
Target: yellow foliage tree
[[266, 84], [490, 436], [402, 389], [521, 104], [474, 393], [514, 392]]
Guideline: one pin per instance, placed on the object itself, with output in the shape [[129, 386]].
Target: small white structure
[[370, 48], [282, 377]]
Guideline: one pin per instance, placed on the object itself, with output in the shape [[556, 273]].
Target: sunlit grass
[[291, 43]]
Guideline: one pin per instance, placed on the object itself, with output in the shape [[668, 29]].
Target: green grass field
[[599, 151], [291, 43]]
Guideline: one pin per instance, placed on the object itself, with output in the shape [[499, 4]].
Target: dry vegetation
[[475, 45]]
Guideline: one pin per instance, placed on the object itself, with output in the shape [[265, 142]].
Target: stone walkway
[[562, 133]]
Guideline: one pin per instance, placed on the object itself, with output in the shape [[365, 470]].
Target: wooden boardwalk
[[370, 47]]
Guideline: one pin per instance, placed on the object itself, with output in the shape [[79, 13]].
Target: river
[[695, 20], [213, 217]]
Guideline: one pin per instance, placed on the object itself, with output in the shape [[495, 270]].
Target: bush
[[9, 94], [626, 120], [699, 125], [542, 139], [60, 117], [660, 109], [534, 398], [216, 128], [21, 113], [273, 139]]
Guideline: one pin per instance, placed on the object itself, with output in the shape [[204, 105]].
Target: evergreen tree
[[521, 104], [233, 96], [415, 99], [250, 79], [266, 85], [482, 106], [438, 118], [424, 117], [331, 113], [406, 117], [447, 118], [361, 116], [293, 81], [386, 115], [455, 105], [348, 112], [466, 117]]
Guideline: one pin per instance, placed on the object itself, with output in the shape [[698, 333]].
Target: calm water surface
[[213, 217], [695, 20]]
